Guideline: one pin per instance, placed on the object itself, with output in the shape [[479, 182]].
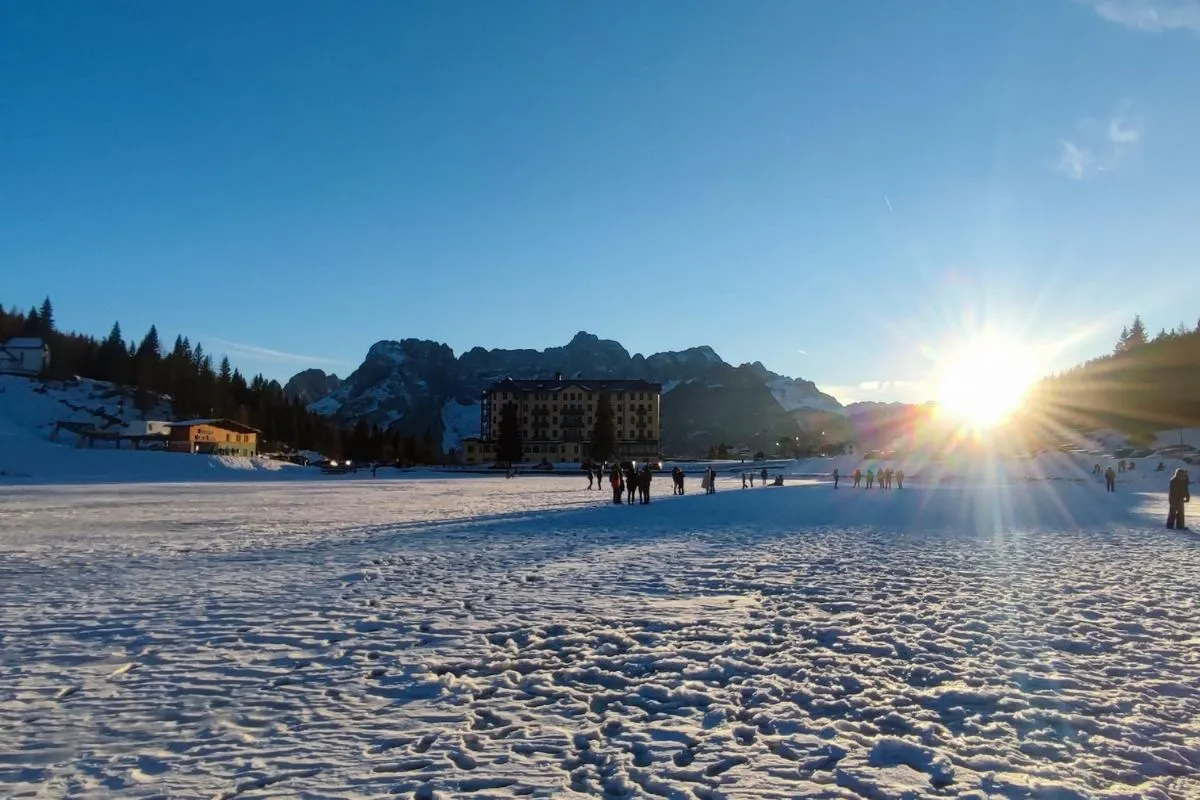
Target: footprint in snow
[[464, 761]]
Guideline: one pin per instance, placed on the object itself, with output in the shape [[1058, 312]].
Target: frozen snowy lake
[[477, 637]]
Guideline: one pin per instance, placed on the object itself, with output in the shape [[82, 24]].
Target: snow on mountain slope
[[34, 405], [796, 395], [31, 452], [458, 422]]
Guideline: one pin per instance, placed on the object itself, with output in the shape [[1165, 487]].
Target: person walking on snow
[[764, 476], [1178, 493], [712, 481], [644, 484], [857, 477], [743, 480], [631, 484], [899, 479], [870, 478], [835, 477], [1110, 480], [591, 477], [617, 485]]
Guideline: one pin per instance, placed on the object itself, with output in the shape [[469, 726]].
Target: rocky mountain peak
[[419, 386]]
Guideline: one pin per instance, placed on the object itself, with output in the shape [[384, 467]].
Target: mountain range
[[420, 387]]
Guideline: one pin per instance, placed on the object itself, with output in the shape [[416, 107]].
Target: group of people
[[762, 474], [883, 479], [630, 481]]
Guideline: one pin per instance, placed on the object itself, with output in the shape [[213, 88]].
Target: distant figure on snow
[[1120, 465], [743, 480], [711, 477], [899, 479], [591, 477], [1096, 469], [617, 484], [857, 477], [631, 484], [1178, 493], [870, 478], [835, 477], [1110, 480], [764, 476], [644, 478], [1161, 467], [751, 480]]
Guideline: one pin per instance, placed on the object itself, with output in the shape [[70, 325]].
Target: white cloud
[[802, 352], [1149, 15], [266, 354], [883, 391], [1074, 161], [1120, 132], [1102, 146]]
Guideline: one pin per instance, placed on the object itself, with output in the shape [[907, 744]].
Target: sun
[[985, 380]]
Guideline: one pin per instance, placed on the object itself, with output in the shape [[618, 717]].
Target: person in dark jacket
[[1110, 480], [763, 475], [835, 477], [617, 484], [1178, 493], [644, 479]]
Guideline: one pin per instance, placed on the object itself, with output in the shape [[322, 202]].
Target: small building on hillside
[[148, 427], [222, 437], [478, 451], [24, 356]]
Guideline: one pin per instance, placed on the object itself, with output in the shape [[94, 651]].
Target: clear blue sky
[[829, 187]]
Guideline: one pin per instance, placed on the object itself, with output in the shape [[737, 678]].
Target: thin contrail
[[889, 204]]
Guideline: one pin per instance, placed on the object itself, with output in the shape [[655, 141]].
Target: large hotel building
[[557, 418]]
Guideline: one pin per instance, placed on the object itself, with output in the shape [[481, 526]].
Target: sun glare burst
[[984, 381]]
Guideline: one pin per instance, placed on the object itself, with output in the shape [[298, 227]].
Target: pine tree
[[1137, 333], [604, 431], [508, 444], [33, 324], [47, 317], [225, 375], [113, 358], [150, 346], [1122, 341]]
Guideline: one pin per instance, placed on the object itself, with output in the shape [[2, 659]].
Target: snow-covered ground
[[482, 637]]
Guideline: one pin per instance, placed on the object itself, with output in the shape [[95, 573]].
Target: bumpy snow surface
[[481, 637]]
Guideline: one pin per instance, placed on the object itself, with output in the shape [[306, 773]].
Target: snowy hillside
[[459, 420], [31, 449]]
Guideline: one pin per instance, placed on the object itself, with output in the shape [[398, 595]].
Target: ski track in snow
[[477, 637]]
